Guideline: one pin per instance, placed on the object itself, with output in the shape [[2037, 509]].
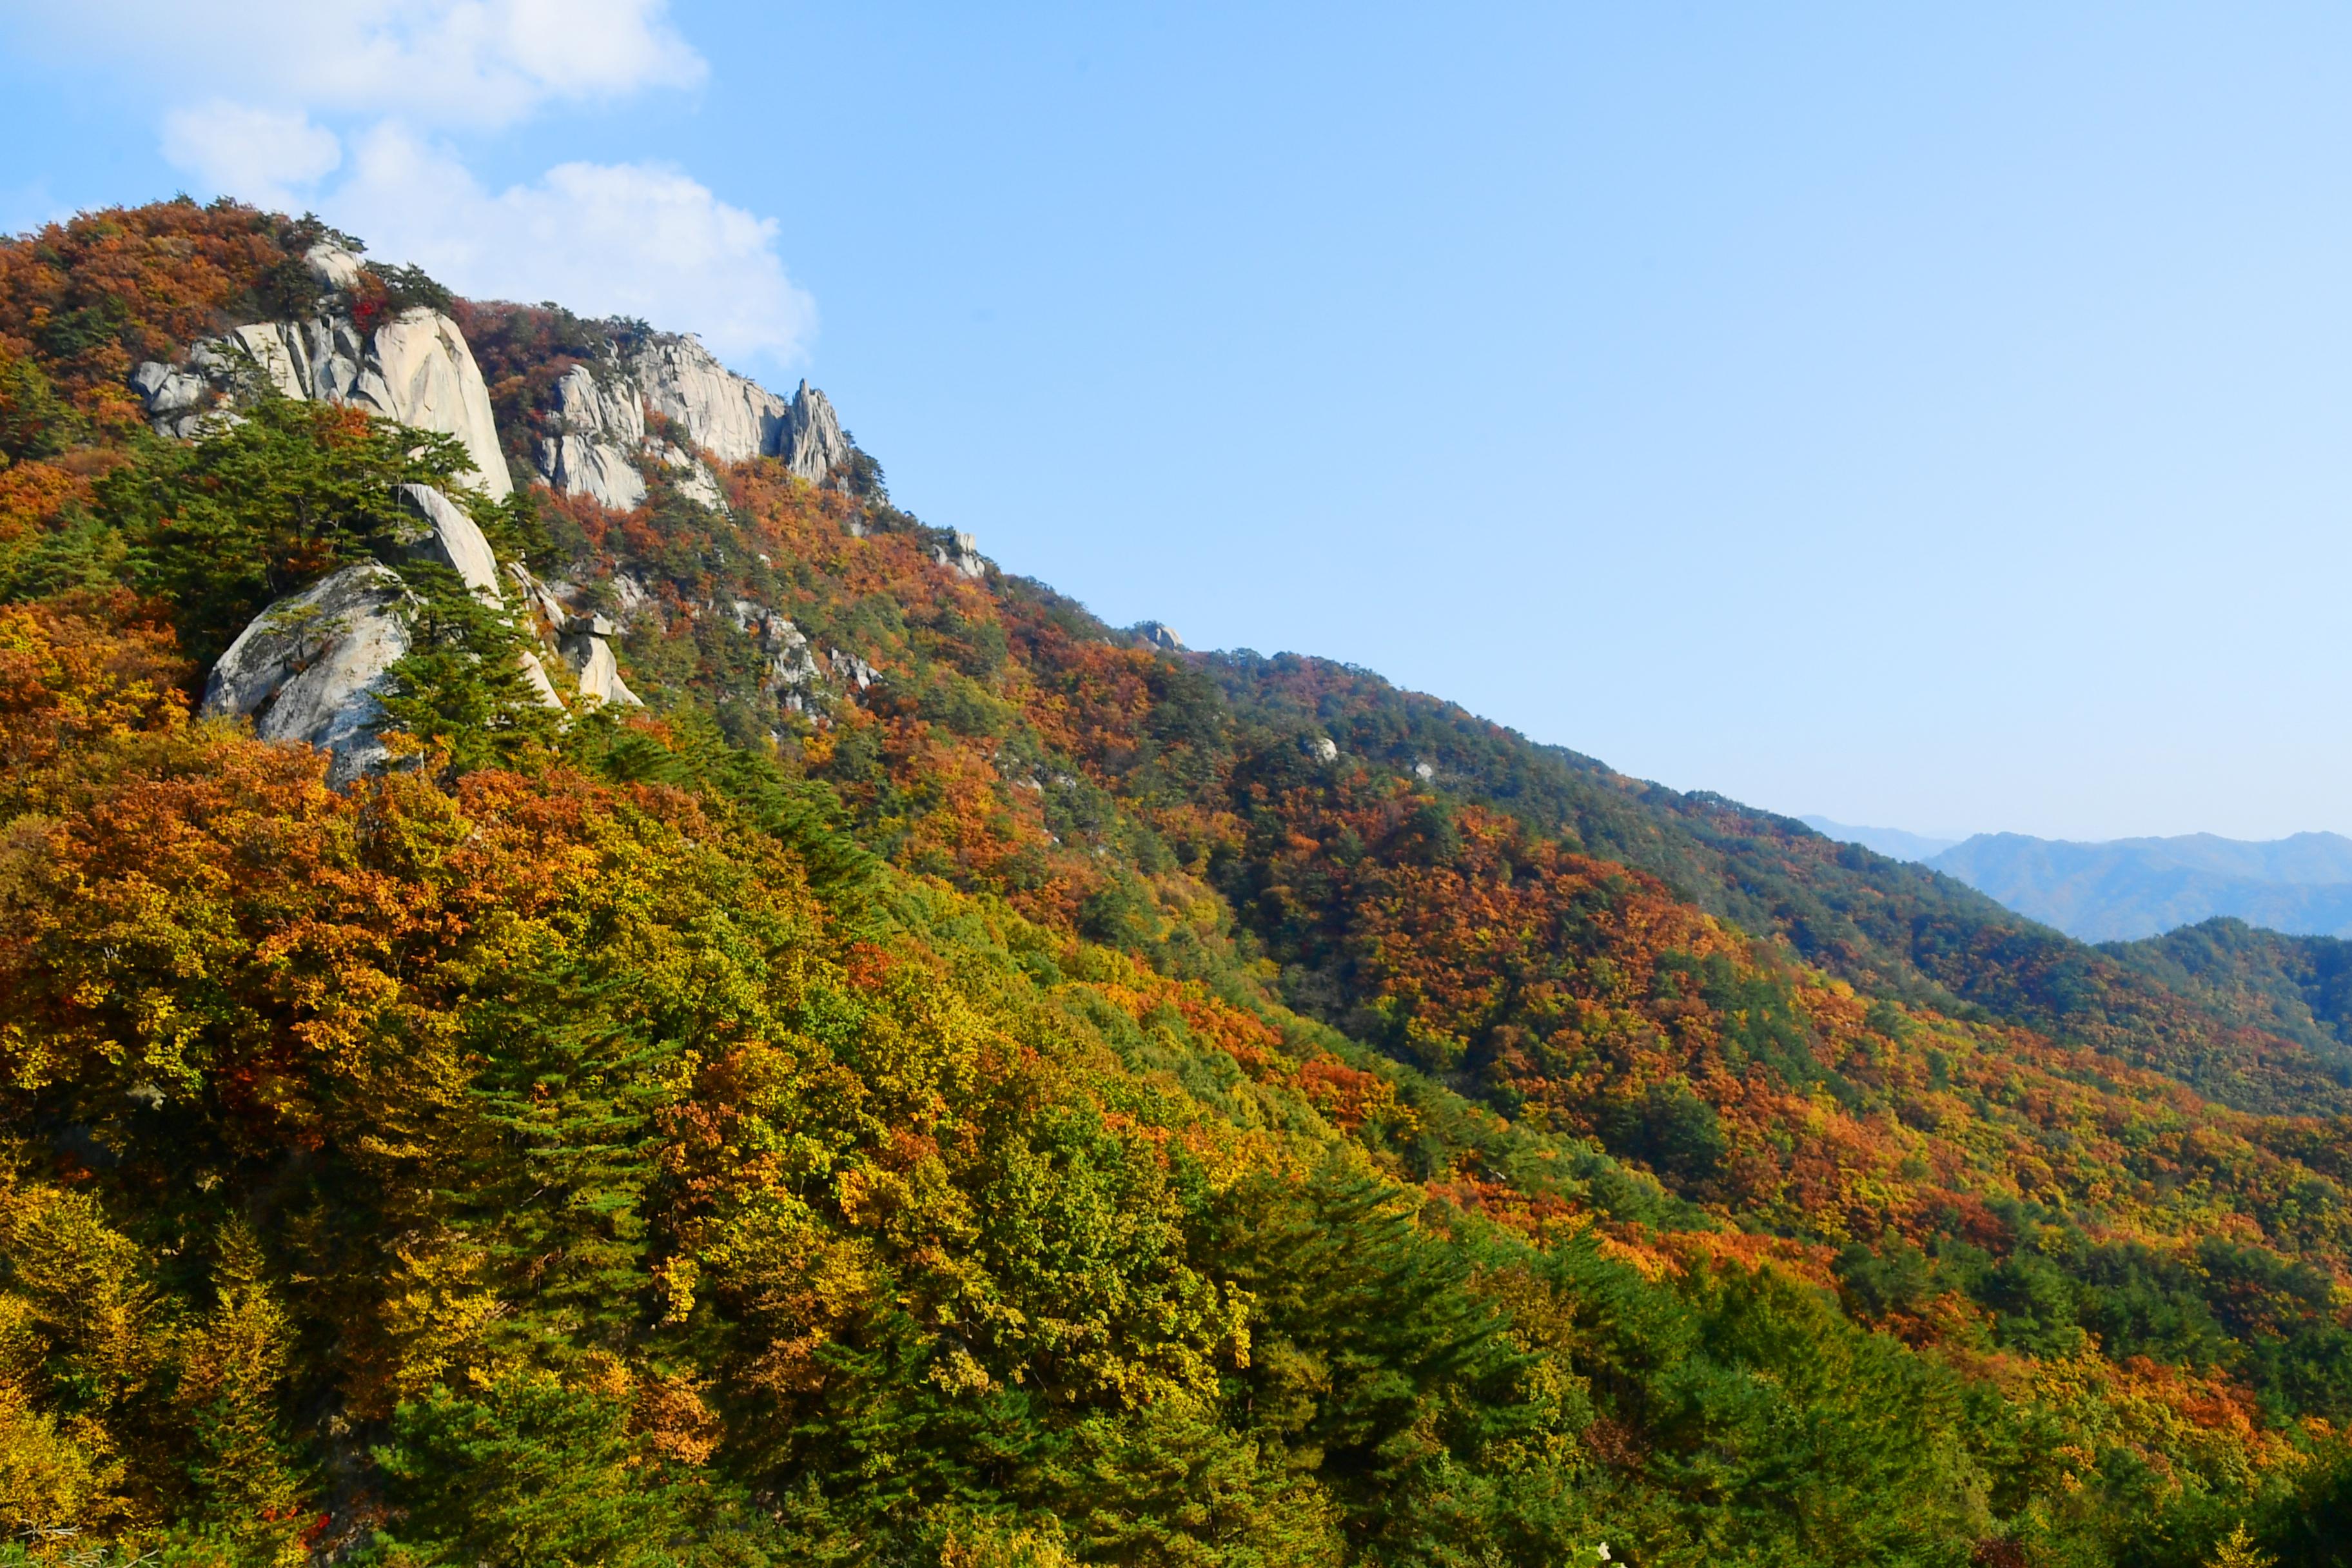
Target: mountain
[[2300, 987], [2133, 887], [1892, 842], [578, 986]]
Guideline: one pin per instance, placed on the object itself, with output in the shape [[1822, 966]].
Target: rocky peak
[[600, 443], [815, 444], [730, 416]]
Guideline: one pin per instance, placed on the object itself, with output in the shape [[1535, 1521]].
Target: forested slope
[[1893, 927], [944, 1081]]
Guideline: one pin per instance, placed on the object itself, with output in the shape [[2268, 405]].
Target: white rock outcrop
[[420, 372], [964, 560], [333, 265], [792, 675], [453, 539], [693, 478], [814, 444], [852, 670], [599, 440], [539, 597], [535, 674], [1158, 635], [599, 434], [415, 368], [730, 416], [310, 669], [585, 648]]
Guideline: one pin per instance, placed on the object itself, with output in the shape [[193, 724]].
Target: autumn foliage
[[1007, 1094]]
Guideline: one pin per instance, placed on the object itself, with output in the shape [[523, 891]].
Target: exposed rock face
[[600, 438], [539, 597], [591, 657], [964, 561], [1157, 635], [175, 398], [630, 597], [1322, 748], [815, 444], [310, 667], [453, 539], [692, 476], [540, 686], [853, 669], [420, 373], [730, 416], [793, 673], [415, 368], [598, 433]]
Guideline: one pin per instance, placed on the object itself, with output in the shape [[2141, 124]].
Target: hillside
[[576, 985], [2300, 987]]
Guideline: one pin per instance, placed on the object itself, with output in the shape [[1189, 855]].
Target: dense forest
[[947, 1081]]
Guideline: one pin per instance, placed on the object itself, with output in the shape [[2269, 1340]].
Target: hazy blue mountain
[[2133, 887], [1892, 842]]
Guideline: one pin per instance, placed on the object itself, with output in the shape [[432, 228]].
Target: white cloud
[[260, 153], [261, 99], [634, 240], [449, 63]]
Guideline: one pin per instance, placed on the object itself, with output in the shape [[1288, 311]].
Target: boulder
[[309, 667], [333, 265], [453, 539], [590, 658], [176, 399], [793, 674], [849, 667], [1158, 635]]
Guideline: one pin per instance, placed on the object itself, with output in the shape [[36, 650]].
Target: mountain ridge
[[2125, 889]]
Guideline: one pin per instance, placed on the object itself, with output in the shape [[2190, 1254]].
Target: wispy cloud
[[263, 155], [635, 239], [440, 63]]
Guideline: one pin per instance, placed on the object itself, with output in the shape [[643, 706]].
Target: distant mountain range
[[1892, 842], [2127, 888]]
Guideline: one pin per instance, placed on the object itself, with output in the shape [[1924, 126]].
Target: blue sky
[[1934, 420]]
